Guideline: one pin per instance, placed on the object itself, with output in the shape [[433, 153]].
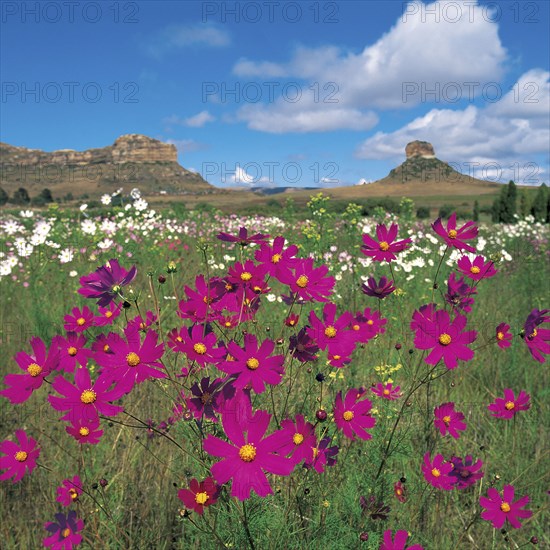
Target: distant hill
[[132, 161], [279, 190]]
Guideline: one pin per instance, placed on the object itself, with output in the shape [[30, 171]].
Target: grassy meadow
[[131, 478]]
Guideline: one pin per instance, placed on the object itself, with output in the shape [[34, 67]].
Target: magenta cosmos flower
[[449, 421], [253, 364], [466, 471], [500, 509], [277, 259], [200, 495], [246, 458], [459, 294], [84, 401], [198, 343], [509, 406], [242, 237], [437, 472], [64, 532], [299, 439], [85, 431], [72, 351], [36, 367], [352, 416], [447, 339], [378, 289], [69, 491], [19, 457], [323, 455], [454, 237], [386, 246], [107, 315], [208, 396], [106, 282], [537, 339], [309, 283], [332, 333], [80, 320], [477, 268], [387, 391], [399, 541], [503, 335]]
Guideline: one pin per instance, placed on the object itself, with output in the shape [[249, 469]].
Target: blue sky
[[308, 93]]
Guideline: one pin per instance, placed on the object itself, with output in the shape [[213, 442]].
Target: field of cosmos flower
[[187, 379]]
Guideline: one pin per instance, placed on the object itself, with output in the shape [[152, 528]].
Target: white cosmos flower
[[140, 205], [83, 207], [11, 227], [271, 297], [73, 273], [26, 213], [105, 244], [66, 256], [106, 199], [88, 227]]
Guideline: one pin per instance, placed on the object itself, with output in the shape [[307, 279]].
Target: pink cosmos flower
[[253, 364], [303, 347], [501, 509], [449, 421], [299, 439], [378, 289], [84, 401], [72, 351], [69, 491], [198, 344], [200, 495], [537, 339], [276, 259], [509, 406], [351, 415], [477, 269], [367, 325], [242, 237], [332, 332], [459, 294], [80, 320], [36, 367], [504, 336], [399, 542], [323, 455], [437, 472], [139, 323], [248, 275], [85, 431], [400, 492], [387, 391], [64, 532], [208, 397], [107, 315], [202, 301], [385, 248], [456, 237], [246, 458], [309, 283], [466, 471], [20, 458], [447, 339]]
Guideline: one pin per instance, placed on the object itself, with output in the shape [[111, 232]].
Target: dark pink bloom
[[379, 289], [386, 246], [106, 282], [309, 283], [72, 351], [64, 532], [198, 343], [248, 275], [437, 472], [242, 238], [131, 361], [20, 457], [292, 320], [398, 542], [36, 367], [139, 323], [208, 397], [503, 335], [466, 471], [80, 320], [199, 495], [537, 339], [276, 259], [202, 302], [332, 332], [500, 509], [85, 431], [400, 492], [449, 421], [447, 339], [387, 391], [367, 325], [84, 401], [69, 491], [456, 237], [459, 294], [299, 439], [303, 347], [477, 269], [253, 364], [351, 415], [323, 455], [107, 314], [509, 406], [246, 458]]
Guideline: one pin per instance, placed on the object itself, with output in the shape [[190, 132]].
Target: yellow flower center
[[73, 493], [348, 415], [276, 258], [133, 359], [252, 363], [452, 234], [337, 357], [72, 351], [474, 269], [505, 507], [355, 327], [246, 276], [398, 492], [205, 397], [370, 322], [315, 452], [446, 420], [117, 288], [34, 370], [384, 246], [201, 498], [200, 348], [297, 438], [80, 321], [142, 326], [509, 405], [330, 332], [386, 392], [84, 432], [500, 335], [207, 300], [302, 281], [88, 396], [444, 339], [106, 348], [436, 472], [227, 324], [65, 533], [108, 314], [247, 453], [179, 339], [21, 456], [533, 334]]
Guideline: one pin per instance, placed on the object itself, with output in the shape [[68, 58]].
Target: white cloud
[[241, 177], [175, 37], [199, 120]]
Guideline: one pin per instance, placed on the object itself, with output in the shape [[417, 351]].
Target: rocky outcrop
[[422, 149], [133, 160]]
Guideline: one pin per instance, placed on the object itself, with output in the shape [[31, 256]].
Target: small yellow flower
[[326, 503]]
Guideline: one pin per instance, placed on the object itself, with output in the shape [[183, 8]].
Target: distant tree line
[[507, 208], [21, 197]]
